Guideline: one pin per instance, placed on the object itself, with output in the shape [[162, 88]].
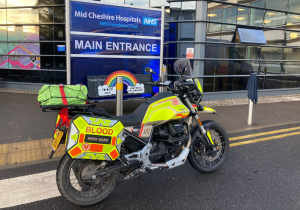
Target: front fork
[[205, 133]]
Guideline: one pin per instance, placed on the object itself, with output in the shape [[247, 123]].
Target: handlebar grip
[[156, 83], [183, 84]]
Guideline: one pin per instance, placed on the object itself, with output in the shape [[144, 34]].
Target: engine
[[170, 131], [169, 139]]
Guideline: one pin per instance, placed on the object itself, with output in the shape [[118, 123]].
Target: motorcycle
[[102, 151]]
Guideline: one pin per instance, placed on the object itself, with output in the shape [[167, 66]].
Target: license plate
[[57, 139]]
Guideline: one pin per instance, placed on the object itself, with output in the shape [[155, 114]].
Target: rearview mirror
[[148, 70]]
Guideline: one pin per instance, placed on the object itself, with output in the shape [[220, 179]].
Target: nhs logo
[[150, 21]]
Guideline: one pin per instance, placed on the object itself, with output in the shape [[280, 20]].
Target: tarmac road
[[262, 172]]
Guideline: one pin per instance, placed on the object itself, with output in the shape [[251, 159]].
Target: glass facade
[[32, 30], [227, 60], [29, 38]]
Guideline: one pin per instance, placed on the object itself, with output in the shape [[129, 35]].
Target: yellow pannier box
[[94, 138]]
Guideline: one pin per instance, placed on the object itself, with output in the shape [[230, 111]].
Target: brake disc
[[87, 169]]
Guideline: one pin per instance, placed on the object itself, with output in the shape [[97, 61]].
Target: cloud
[[106, 91], [138, 88]]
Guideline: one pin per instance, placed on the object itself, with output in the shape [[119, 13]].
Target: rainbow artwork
[[128, 79]]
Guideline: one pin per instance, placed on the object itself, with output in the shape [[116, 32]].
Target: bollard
[[252, 95], [119, 88], [250, 114]]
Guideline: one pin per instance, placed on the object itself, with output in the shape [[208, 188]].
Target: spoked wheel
[[203, 158], [72, 185]]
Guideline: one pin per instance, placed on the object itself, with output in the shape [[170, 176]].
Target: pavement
[[262, 170]]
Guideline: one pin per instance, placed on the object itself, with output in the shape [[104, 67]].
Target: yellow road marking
[[263, 134], [26, 151], [264, 139]]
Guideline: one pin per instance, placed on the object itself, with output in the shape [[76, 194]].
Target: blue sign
[[108, 38], [100, 45], [61, 48], [101, 18]]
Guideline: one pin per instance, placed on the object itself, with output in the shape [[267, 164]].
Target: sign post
[[68, 42], [161, 69], [103, 38]]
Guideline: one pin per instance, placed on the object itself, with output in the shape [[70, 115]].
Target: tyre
[[204, 160], [70, 183]]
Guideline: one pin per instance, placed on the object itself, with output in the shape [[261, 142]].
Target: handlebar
[[184, 84], [155, 83]]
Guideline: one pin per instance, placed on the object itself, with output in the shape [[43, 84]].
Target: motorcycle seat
[[134, 119]]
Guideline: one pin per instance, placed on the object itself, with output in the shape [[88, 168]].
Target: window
[[272, 53], [45, 2], [3, 33], [59, 32], [292, 18], [240, 52], [2, 3], [2, 16], [19, 16], [270, 68], [229, 16], [22, 33], [253, 52], [175, 8], [256, 17], [219, 51], [276, 4], [24, 62], [292, 38], [243, 16], [291, 54], [19, 3], [291, 68], [251, 36], [259, 3], [274, 37], [47, 48], [46, 14], [63, 1], [294, 6], [59, 14], [187, 31], [24, 48], [60, 63], [216, 35], [274, 18], [46, 32], [47, 62], [3, 48], [188, 10]]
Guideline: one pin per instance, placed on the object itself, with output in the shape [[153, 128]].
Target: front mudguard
[[195, 131]]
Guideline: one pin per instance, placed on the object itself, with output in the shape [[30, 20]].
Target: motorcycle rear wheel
[[73, 188], [210, 163]]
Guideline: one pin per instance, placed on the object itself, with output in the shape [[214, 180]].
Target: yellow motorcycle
[[162, 133]]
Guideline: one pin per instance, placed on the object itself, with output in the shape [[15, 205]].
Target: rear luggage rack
[[57, 108]]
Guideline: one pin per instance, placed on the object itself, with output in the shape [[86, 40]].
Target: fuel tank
[[164, 110]]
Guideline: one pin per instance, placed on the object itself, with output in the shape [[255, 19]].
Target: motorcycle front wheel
[[205, 160], [74, 188]]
